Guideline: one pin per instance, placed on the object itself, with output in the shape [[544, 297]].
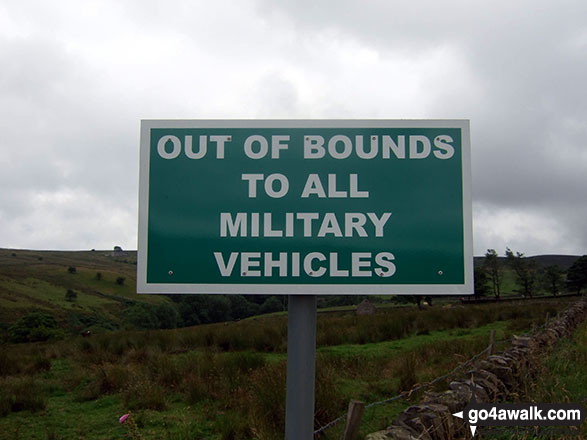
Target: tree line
[[529, 278]]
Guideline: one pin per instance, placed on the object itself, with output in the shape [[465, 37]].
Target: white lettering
[[361, 260], [361, 150], [267, 227], [277, 145], [313, 186], [354, 192], [347, 146], [354, 221], [329, 226], [384, 259], [334, 270], [249, 261], [236, 227], [314, 147], [263, 147], [252, 179], [399, 149], [441, 142], [415, 153], [307, 218], [284, 186], [225, 269], [220, 141], [280, 263], [189, 151], [162, 147], [308, 264], [379, 223], [332, 192]]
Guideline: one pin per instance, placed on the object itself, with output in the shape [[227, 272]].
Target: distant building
[[366, 308]]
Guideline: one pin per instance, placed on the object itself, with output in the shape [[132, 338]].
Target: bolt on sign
[[305, 207]]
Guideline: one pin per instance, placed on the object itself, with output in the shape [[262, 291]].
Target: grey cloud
[[528, 100], [516, 69]]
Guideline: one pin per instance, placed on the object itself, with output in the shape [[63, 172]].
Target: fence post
[[492, 342], [353, 420], [547, 319]]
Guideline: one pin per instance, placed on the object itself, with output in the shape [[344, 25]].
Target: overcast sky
[[76, 78]]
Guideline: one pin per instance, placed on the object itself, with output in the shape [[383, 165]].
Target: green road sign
[[305, 207]]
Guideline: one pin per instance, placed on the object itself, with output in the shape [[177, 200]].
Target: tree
[[481, 280], [36, 326], [70, 295], [142, 315], [577, 274], [272, 304], [218, 308], [494, 270], [525, 270], [553, 279], [189, 315], [167, 315], [241, 308]]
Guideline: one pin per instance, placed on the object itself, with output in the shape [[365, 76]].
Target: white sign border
[[144, 287]]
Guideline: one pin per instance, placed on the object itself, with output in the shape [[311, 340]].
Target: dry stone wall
[[494, 379]]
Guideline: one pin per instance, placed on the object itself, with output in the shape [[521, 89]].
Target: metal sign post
[[301, 366]]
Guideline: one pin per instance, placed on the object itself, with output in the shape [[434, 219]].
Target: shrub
[[72, 269], [99, 276], [70, 295], [120, 281], [34, 327]]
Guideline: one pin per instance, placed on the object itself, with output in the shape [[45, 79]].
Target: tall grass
[[21, 394], [235, 373], [269, 335]]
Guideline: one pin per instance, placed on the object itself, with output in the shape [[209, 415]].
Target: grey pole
[[301, 367]]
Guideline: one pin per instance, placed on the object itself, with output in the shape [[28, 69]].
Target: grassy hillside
[[96, 290], [39, 280], [227, 381]]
